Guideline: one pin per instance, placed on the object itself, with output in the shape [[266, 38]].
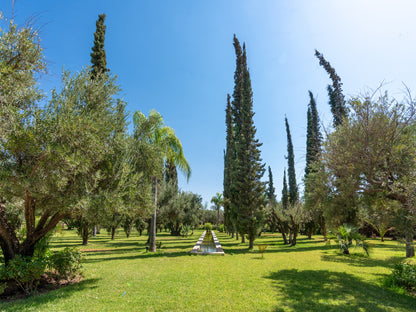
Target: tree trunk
[[232, 235], [98, 229], [410, 247], [94, 231], [8, 239], [290, 236], [295, 234], [236, 235], [284, 238], [113, 232], [152, 235], [251, 243], [243, 238], [282, 230], [323, 227], [85, 234]]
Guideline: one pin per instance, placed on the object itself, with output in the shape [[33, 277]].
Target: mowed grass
[[121, 276]]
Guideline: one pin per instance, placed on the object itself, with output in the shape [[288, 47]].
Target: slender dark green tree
[[313, 135], [271, 202], [98, 56], [285, 193], [336, 97], [293, 187], [247, 188], [99, 66], [270, 187], [283, 208], [236, 104], [313, 148], [229, 153]]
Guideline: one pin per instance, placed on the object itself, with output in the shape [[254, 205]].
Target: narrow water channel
[[208, 244]]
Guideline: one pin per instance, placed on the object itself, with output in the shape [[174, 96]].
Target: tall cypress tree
[[336, 97], [313, 134], [99, 63], [293, 187], [313, 148], [248, 192], [271, 197], [236, 130], [285, 193], [229, 219], [281, 222], [98, 56]]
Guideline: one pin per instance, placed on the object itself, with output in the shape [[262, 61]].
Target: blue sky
[[177, 57]]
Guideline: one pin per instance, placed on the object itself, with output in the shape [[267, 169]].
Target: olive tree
[[371, 155]]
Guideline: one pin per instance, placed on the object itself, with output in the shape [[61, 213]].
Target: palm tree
[[156, 144], [217, 201]]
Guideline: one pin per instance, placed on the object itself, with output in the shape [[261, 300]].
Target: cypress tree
[[228, 159], [270, 188], [98, 57], [285, 193], [282, 223], [248, 192], [236, 130], [313, 134], [336, 97], [271, 198], [313, 148], [293, 188]]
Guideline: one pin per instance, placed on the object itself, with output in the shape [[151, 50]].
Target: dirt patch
[[46, 284]]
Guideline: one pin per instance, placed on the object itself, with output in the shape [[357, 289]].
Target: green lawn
[[308, 277]]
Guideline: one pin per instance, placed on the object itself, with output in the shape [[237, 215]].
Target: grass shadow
[[334, 291], [38, 300], [144, 255], [360, 261]]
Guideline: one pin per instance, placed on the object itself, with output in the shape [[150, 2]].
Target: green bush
[[185, 229], [66, 263], [208, 226], [222, 228], [25, 272], [345, 236], [403, 276]]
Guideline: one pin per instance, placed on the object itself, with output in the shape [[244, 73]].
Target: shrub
[[185, 230], [66, 263], [25, 272], [345, 236], [208, 226], [403, 276], [221, 228]]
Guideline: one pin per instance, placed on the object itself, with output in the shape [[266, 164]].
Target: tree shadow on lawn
[[360, 260], [334, 291], [141, 255], [38, 299], [239, 248]]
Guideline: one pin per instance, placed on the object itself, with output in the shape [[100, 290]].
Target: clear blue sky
[[177, 57]]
